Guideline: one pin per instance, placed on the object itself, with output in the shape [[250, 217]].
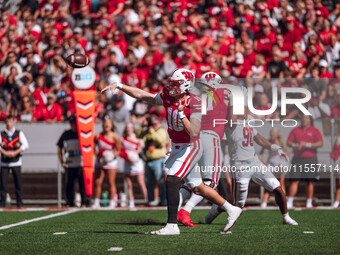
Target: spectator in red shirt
[[323, 10], [54, 110], [324, 73], [258, 70], [265, 40], [326, 32], [298, 65], [157, 55], [292, 33], [249, 54], [240, 68], [304, 140], [103, 58], [115, 7], [29, 113], [134, 76], [224, 42], [286, 48], [2, 114], [40, 92]]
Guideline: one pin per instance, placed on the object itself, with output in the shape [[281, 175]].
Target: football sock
[[285, 215], [184, 194], [131, 203], [172, 195], [336, 204], [227, 206], [192, 202]]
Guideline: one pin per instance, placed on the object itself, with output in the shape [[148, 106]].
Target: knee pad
[[210, 183]]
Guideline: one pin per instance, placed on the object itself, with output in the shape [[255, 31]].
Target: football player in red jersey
[[184, 124], [211, 137]]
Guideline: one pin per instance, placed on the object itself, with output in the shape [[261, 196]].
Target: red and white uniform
[[136, 168], [105, 145], [245, 164], [185, 151], [211, 137]]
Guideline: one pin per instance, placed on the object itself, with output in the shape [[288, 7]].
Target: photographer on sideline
[[155, 138], [70, 158], [12, 143]]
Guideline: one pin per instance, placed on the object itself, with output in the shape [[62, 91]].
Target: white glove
[[278, 150]]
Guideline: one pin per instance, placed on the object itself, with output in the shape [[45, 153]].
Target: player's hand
[[282, 155], [112, 87], [183, 104]]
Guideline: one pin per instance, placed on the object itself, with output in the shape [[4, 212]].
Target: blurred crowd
[[140, 42]]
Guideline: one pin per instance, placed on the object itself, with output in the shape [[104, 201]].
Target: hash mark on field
[[115, 249], [308, 232], [37, 219], [60, 233]]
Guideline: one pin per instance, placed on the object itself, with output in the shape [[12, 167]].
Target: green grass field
[[94, 232]]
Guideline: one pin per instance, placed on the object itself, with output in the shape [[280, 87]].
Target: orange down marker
[[85, 104]]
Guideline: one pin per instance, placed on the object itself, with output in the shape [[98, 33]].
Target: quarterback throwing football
[[184, 124]]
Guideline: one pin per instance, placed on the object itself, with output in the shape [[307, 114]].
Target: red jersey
[[309, 135], [292, 36], [326, 75], [134, 78], [112, 5], [325, 36], [55, 112], [215, 111], [176, 129], [264, 44], [39, 96]]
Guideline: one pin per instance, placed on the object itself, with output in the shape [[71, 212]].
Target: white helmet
[[180, 81], [211, 79]]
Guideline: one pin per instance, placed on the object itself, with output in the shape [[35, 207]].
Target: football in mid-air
[[77, 60]]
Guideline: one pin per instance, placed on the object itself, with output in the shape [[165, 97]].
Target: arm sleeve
[[23, 141], [158, 99]]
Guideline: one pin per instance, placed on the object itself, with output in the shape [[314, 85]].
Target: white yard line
[[38, 219]]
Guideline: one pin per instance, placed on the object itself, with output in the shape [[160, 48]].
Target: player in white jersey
[[184, 123], [211, 161], [245, 165]]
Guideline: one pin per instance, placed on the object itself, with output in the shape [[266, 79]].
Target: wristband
[[274, 147], [119, 85], [181, 115], [308, 145]]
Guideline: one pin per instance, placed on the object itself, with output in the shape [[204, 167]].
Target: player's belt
[[210, 132]]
